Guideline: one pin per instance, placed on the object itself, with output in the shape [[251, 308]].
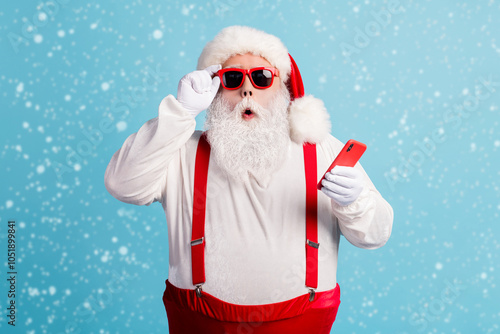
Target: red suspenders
[[199, 205], [312, 243]]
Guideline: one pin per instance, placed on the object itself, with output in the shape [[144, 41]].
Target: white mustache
[[251, 104]]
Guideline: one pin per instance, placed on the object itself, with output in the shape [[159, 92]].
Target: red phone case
[[350, 154]]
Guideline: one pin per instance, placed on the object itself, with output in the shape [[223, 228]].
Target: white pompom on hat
[[308, 117]]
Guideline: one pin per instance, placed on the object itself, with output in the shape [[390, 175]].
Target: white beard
[[256, 147]]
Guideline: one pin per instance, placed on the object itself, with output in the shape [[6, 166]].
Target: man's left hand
[[343, 184]]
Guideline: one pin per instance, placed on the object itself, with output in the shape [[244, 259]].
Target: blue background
[[439, 272]]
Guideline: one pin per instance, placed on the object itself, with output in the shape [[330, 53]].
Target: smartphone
[[350, 154]]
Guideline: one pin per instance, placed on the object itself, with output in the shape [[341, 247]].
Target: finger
[[197, 84], [345, 171], [335, 188], [336, 197], [215, 85], [212, 69], [343, 181], [206, 83], [202, 82]]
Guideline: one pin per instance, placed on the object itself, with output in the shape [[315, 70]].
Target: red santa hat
[[308, 117]]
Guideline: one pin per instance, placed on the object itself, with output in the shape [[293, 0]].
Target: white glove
[[343, 184], [197, 89]]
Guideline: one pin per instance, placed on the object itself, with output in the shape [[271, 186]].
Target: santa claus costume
[[258, 256]]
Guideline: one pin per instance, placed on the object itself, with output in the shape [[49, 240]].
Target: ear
[[309, 120]]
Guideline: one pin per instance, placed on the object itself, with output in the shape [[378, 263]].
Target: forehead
[[246, 61]]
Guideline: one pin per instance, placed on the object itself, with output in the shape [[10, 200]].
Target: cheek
[[264, 100], [268, 95], [230, 96]]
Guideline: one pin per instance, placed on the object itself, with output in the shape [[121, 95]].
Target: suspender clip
[[312, 293], [198, 290], [197, 241], [312, 243]]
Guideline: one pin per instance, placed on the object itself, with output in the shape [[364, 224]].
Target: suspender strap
[[312, 244], [199, 206]]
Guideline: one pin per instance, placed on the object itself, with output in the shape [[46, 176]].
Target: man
[[252, 243]]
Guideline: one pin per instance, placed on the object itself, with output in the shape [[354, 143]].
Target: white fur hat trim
[[309, 120], [241, 40]]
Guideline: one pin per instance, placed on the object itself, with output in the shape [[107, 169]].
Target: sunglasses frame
[[221, 72]]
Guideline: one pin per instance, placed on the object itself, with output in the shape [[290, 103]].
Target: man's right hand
[[197, 89]]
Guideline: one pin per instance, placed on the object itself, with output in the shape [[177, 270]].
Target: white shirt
[[255, 233]]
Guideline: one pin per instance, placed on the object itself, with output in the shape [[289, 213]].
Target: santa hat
[[309, 120]]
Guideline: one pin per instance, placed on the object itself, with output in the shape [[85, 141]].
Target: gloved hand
[[343, 184], [197, 89]]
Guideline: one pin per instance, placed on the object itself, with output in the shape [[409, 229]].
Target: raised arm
[[137, 172]]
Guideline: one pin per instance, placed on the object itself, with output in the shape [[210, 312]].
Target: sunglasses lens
[[232, 79], [262, 78]]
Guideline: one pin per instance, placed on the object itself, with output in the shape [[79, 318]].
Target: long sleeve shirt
[[254, 232]]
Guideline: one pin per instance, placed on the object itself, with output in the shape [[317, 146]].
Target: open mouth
[[248, 114]]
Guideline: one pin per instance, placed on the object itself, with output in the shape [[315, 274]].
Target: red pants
[[188, 313]]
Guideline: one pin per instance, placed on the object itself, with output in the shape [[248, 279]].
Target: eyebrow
[[233, 66], [240, 66]]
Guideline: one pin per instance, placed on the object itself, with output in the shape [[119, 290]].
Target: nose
[[247, 88]]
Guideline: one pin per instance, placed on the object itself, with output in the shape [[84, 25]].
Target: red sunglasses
[[261, 77]]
